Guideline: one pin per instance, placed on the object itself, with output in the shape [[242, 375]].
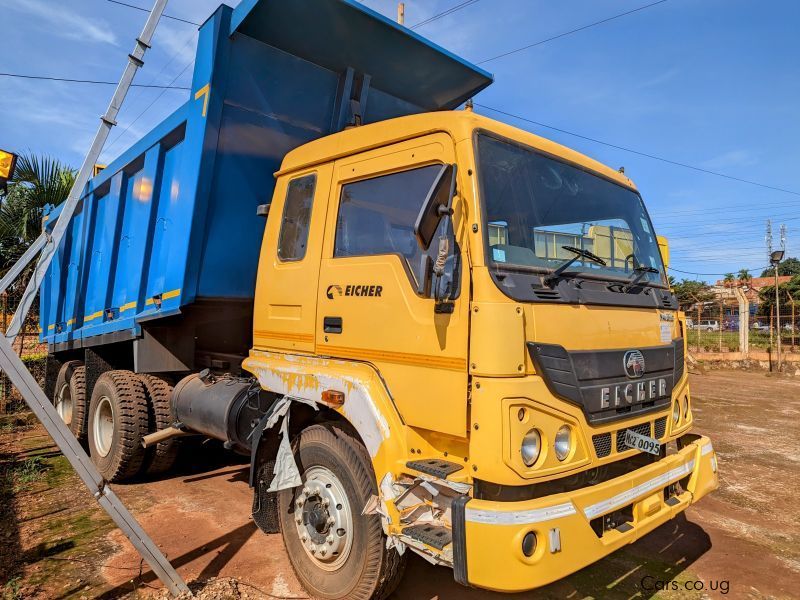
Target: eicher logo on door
[[374, 291]]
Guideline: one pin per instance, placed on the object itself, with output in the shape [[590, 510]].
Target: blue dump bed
[[173, 220]]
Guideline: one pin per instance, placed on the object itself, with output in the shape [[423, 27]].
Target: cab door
[[372, 299], [286, 289]]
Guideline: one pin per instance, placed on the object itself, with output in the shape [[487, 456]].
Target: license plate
[[642, 442]]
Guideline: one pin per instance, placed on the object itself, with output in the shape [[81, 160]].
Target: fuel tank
[[224, 407]]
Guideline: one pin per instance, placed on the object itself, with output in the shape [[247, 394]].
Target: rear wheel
[[80, 405], [336, 551], [117, 423], [69, 397], [62, 399], [159, 406]]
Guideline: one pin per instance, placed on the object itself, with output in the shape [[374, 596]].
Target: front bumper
[[488, 535]]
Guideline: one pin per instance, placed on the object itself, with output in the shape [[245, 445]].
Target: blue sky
[[711, 83]]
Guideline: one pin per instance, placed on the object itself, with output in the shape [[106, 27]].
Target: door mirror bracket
[[435, 215], [438, 204]]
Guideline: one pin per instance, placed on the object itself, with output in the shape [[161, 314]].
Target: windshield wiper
[[579, 253], [639, 272]]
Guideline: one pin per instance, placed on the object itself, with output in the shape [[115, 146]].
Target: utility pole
[[401, 13], [775, 259]]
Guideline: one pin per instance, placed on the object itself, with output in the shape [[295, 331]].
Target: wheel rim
[[64, 404], [103, 426], [324, 519]]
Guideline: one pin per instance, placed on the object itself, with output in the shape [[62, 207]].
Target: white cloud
[[178, 44], [733, 158], [660, 79], [60, 20]]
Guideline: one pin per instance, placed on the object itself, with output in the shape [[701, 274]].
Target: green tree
[[692, 292], [36, 182], [788, 291], [790, 266], [729, 279]]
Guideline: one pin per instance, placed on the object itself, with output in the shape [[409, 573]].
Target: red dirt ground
[[744, 538]]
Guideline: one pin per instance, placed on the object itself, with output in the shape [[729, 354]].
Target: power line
[[147, 10], [566, 33], [444, 13], [638, 152], [92, 81], [148, 107], [710, 274]]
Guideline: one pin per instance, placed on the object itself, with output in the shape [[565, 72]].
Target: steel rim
[[103, 426], [324, 519], [64, 404]]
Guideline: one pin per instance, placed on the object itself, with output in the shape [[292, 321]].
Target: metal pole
[[778, 316], [107, 121], [22, 378]]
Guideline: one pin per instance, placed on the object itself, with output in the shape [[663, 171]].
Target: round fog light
[[676, 412], [531, 446], [529, 544], [563, 443]]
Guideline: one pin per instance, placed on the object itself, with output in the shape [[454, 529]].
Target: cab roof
[[460, 125]]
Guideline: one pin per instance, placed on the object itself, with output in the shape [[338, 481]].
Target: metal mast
[[23, 380]]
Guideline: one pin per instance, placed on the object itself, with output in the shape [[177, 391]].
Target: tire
[[70, 408], [80, 404], [117, 423], [160, 458], [362, 568]]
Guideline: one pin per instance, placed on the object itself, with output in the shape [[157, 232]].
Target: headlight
[[676, 412], [531, 446], [563, 443], [686, 407]]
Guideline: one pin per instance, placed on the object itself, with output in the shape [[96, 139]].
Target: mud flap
[[285, 472]]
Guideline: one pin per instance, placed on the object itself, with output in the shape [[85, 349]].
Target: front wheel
[[336, 551]]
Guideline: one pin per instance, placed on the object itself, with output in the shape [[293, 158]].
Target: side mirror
[[263, 210], [437, 204], [663, 248]]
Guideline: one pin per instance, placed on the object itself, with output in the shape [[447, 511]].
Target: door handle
[[332, 324]]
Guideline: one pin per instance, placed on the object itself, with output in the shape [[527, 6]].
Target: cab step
[[434, 466], [435, 536]]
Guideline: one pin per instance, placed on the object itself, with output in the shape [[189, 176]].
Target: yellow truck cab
[[449, 337], [482, 314]]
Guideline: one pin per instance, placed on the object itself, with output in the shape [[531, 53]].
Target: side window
[[293, 238], [376, 216]]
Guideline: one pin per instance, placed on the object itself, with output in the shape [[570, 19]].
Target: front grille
[[602, 444], [679, 359], [641, 429], [660, 428]]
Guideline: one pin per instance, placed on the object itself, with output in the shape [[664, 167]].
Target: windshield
[[536, 205]]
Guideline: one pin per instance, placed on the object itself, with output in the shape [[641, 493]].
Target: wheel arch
[[368, 408]]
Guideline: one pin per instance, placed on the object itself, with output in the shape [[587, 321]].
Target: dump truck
[[431, 332]]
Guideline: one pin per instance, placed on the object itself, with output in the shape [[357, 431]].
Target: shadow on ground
[[664, 554]]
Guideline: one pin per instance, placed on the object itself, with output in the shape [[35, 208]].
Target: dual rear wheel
[[124, 407]]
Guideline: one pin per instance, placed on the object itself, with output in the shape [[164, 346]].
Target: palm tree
[[36, 182], [744, 276], [729, 279]]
